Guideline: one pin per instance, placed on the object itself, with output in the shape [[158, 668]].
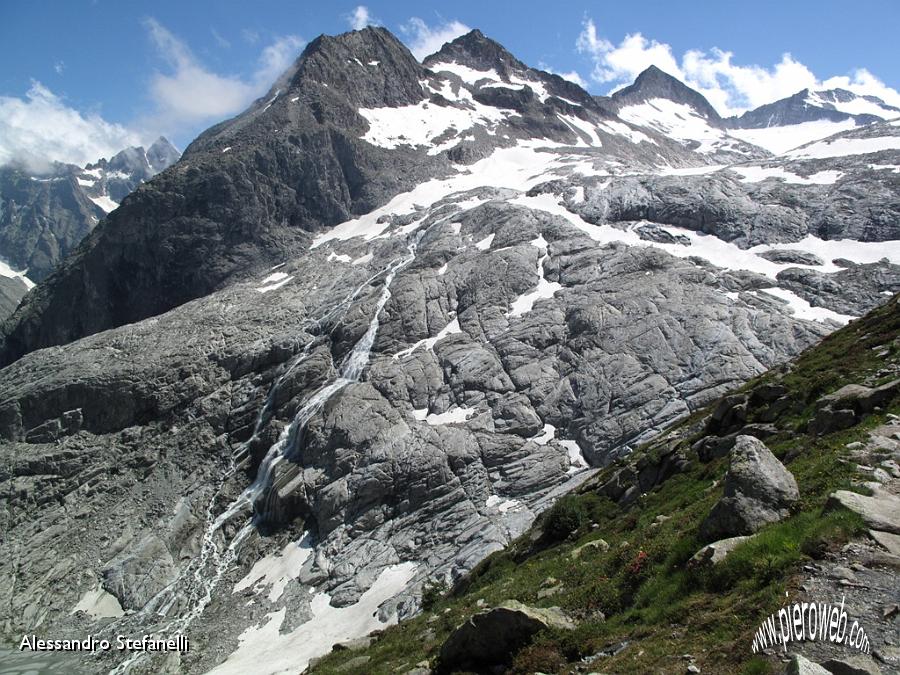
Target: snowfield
[[265, 650], [781, 139], [844, 147]]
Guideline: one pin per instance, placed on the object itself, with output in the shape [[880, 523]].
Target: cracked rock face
[[314, 366], [440, 452]]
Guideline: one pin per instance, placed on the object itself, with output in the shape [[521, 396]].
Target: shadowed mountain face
[[245, 194], [358, 336]]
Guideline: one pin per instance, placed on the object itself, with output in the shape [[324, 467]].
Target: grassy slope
[[641, 585]]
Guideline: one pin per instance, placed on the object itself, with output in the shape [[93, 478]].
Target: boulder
[[492, 637], [891, 542], [709, 448], [843, 408], [858, 664], [729, 415], [881, 511], [716, 552], [847, 397], [800, 665], [595, 545], [758, 491], [827, 421], [354, 645], [791, 256]]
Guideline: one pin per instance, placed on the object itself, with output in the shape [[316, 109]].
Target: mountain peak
[[476, 50], [370, 67], [808, 105], [653, 82], [161, 154]]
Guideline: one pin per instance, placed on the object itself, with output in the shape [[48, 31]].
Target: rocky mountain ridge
[[316, 159], [661, 101]]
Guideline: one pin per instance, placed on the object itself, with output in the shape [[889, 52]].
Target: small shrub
[[538, 658], [757, 666], [432, 594], [564, 518]]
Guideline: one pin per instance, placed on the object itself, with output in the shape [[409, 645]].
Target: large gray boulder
[[857, 664], [492, 637], [758, 490]]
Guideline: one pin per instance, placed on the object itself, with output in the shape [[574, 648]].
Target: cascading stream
[[351, 371], [202, 581]]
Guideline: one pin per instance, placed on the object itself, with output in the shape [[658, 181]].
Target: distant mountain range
[[43, 217], [658, 100]]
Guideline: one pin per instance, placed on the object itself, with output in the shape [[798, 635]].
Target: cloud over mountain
[[730, 87], [41, 127]]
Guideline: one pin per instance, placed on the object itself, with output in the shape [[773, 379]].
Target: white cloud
[[863, 82], [59, 67], [730, 88], [41, 128], [424, 40], [190, 93], [360, 17], [613, 63], [571, 76], [275, 59]]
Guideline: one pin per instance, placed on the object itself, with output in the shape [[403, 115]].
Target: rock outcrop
[[881, 511], [846, 406], [758, 491], [490, 638], [716, 552]]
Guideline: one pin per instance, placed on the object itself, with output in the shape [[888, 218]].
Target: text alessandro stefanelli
[[147, 643]]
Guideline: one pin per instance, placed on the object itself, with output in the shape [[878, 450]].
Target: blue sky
[[82, 77]]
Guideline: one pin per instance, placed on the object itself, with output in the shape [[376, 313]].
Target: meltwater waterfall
[[258, 494], [192, 591]]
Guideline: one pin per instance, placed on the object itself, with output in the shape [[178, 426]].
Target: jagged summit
[[479, 52], [655, 83], [390, 73], [162, 154], [659, 101]]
